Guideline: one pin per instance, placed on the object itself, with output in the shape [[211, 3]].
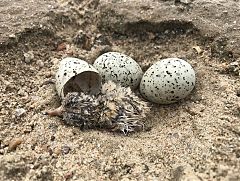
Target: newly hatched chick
[[116, 108]]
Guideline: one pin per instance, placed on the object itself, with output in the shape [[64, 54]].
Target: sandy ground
[[195, 139]]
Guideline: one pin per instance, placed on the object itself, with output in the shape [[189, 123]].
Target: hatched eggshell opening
[[76, 75], [87, 82]]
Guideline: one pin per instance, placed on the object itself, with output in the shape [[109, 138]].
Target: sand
[[197, 138]]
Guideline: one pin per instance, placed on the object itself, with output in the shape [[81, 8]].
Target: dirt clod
[[14, 144]]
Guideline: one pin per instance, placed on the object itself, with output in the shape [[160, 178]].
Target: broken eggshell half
[[76, 75]]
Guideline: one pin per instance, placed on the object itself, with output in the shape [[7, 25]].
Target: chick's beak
[[56, 112]]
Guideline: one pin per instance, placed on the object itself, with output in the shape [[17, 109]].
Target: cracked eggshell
[[167, 81], [119, 68], [75, 75]]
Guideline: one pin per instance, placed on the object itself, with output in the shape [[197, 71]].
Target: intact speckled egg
[[168, 81], [119, 68], [75, 75]]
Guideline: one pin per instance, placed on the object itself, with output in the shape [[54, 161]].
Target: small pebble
[[68, 175], [28, 57], [28, 129], [45, 147], [61, 47], [102, 40], [57, 151], [52, 138], [12, 36], [50, 151], [238, 92], [65, 149], [19, 112], [185, 1], [40, 63], [55, 61], [13, 144]]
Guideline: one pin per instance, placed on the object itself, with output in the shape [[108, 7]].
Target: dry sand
[[195, 139]]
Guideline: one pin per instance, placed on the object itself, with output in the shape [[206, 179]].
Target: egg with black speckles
[[76, 75], [119, 68], [168, 81]]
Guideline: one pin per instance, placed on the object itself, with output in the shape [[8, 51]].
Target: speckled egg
[[76, 75], [167, 81], [119, 68]]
